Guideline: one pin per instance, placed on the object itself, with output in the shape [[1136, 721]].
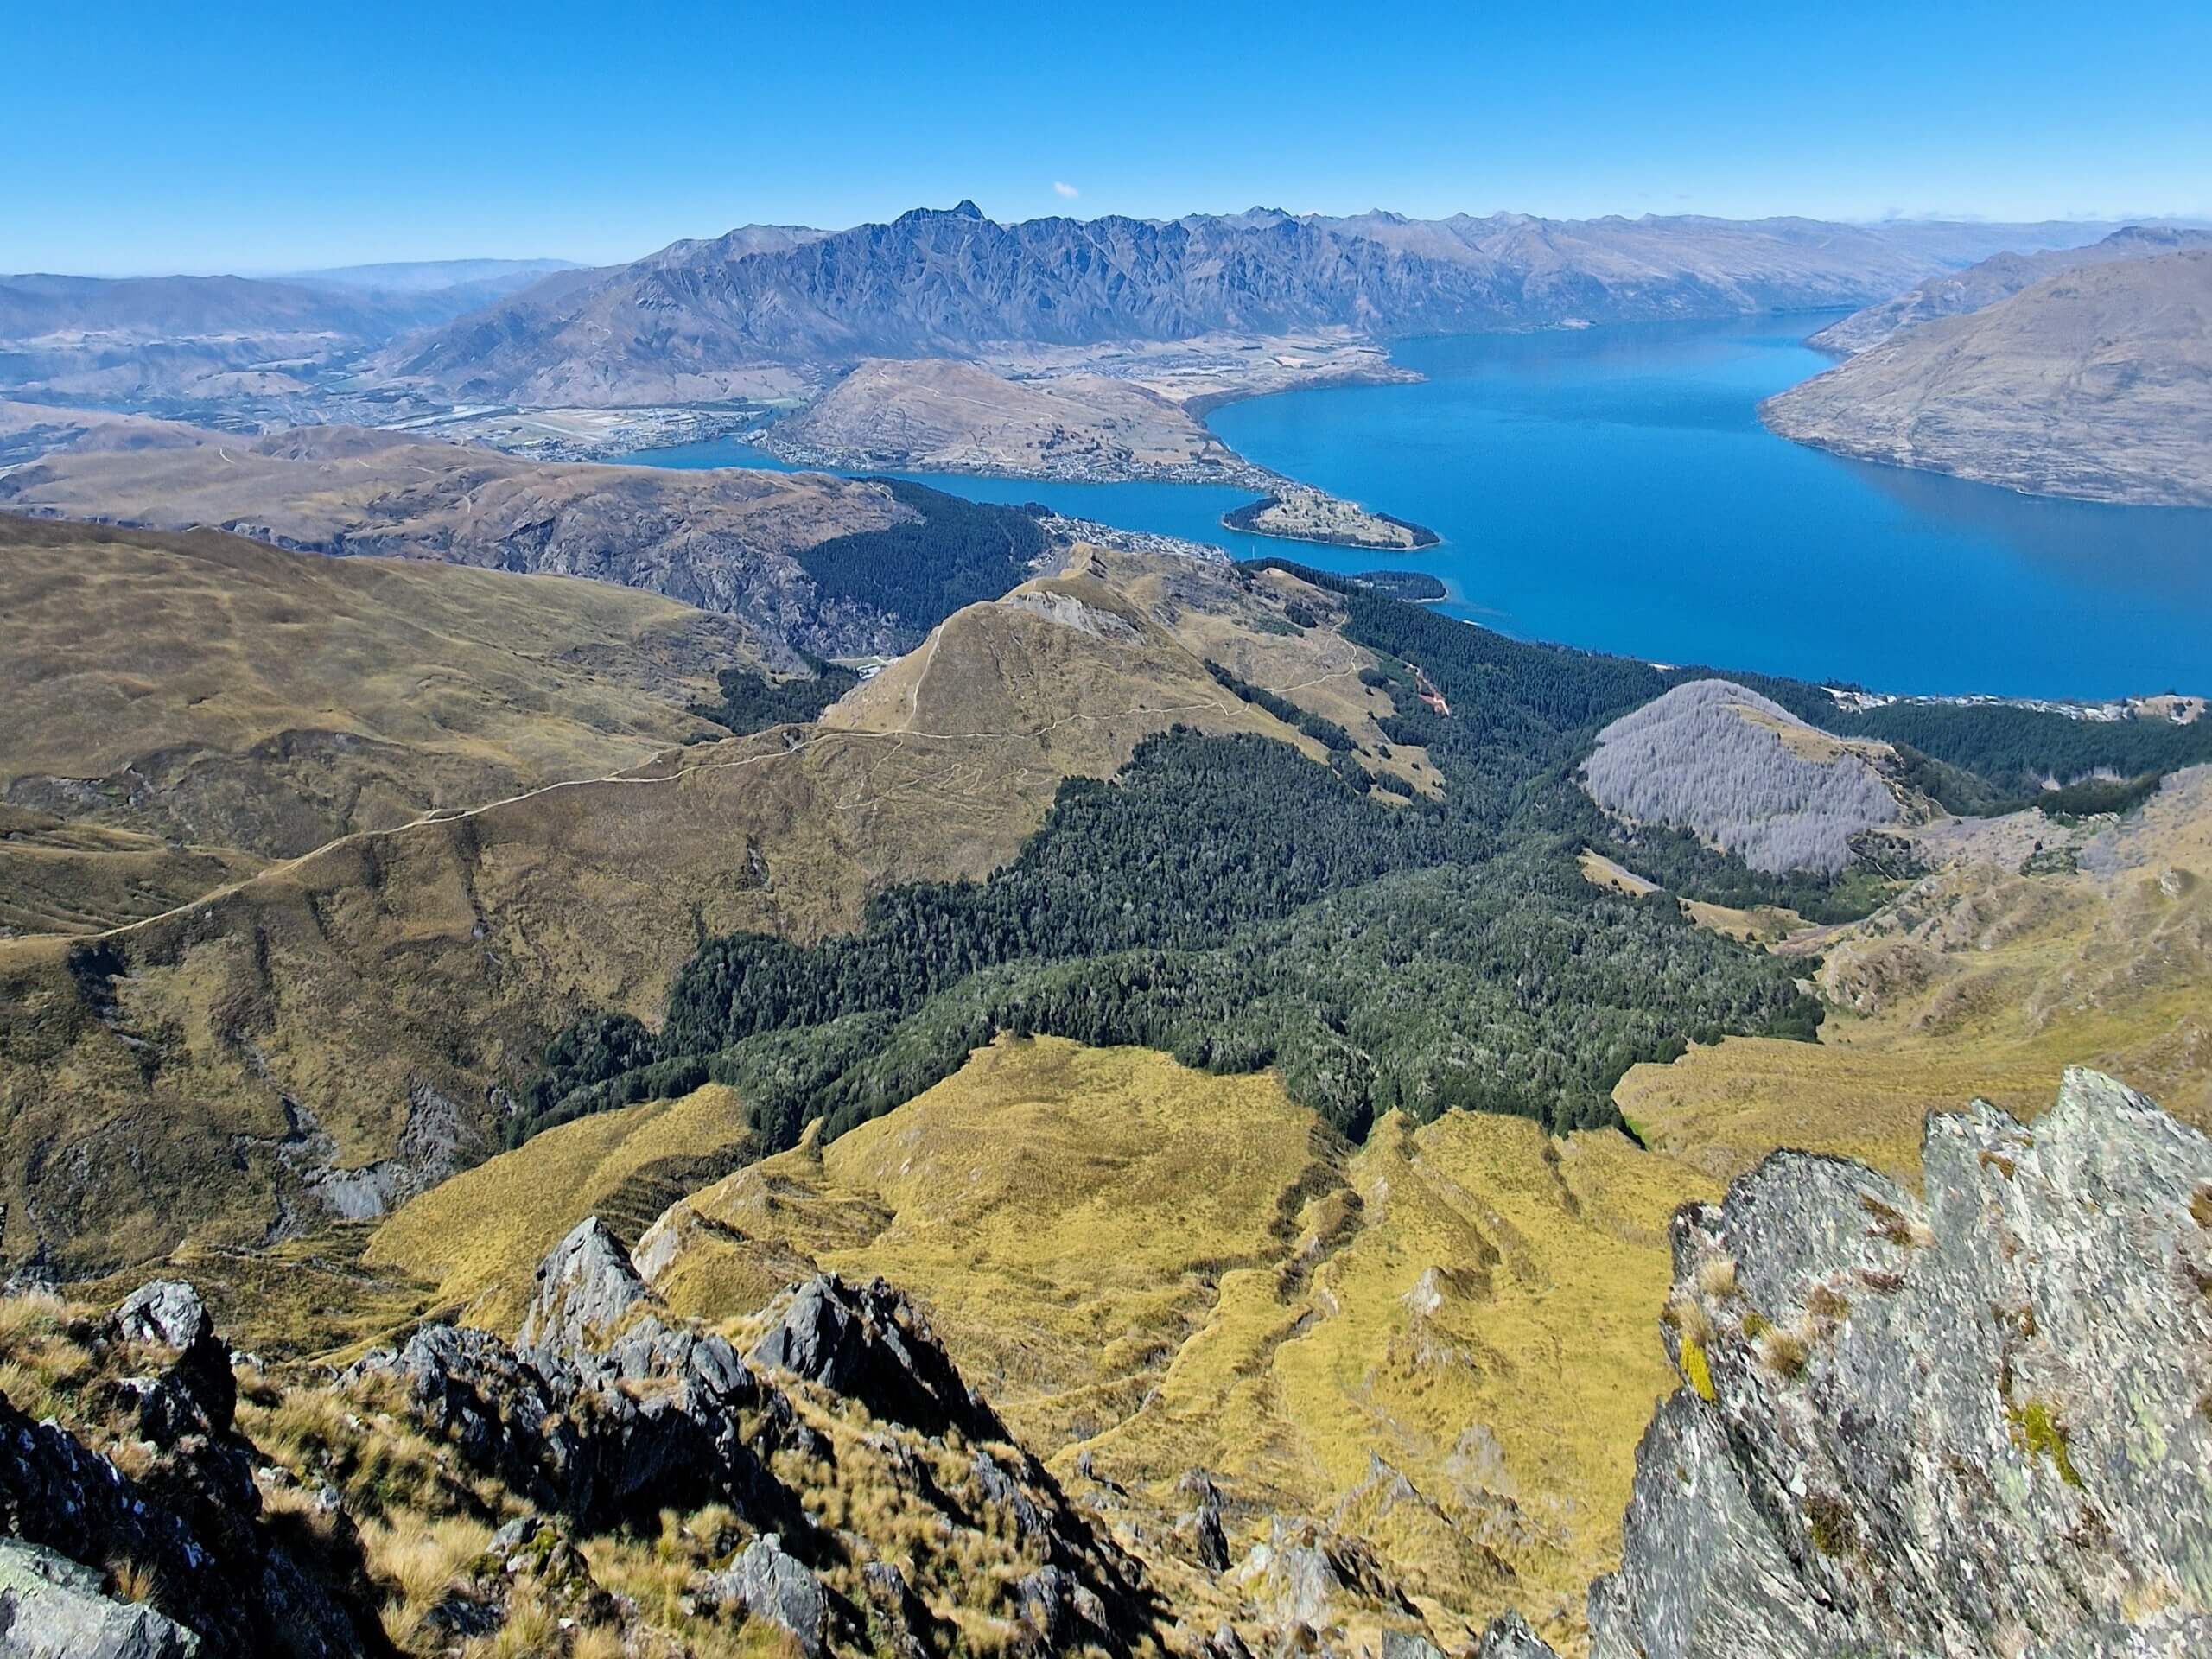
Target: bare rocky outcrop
[[776, 1589], [603, 1424], [188, 1520], [606, 1411], [869, 1342], [1300, 1574], [52, 1607], [1747, 776], [1971, 1422]]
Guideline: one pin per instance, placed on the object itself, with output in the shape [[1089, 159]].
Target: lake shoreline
[[1613, 489]]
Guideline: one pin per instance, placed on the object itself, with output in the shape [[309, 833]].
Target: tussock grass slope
[[208, 690], [1165, 1270], [366, 1000], [1979, 980], [477, 1236], [63, 877]]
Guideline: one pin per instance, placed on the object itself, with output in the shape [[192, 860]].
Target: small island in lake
[[1298, 512]]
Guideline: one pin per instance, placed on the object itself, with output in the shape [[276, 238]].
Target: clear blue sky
[[137, 138]]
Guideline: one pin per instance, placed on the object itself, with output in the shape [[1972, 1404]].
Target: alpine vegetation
[[1745, 773]]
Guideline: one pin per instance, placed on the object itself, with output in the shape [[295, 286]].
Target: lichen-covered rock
[[605, 1413], [52, 1607], [191, 1522], [1200, 1528], [586, 1289], [1507, 1637], [1973, 1423], [1404, 1644], [529, 1553], [606, 1432], [870, 1343], [1060, 1612], [196, 1392], [898, 1622], [1301, 1575], [775, 1588]]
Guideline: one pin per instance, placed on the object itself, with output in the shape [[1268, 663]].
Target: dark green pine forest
[[1241, 907]]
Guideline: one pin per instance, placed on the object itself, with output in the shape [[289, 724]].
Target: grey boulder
[[52, 1607]]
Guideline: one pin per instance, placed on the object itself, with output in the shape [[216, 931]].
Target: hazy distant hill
[[681, 323], [2096, 382], [37, 304], [425, 276], [1998, 277], [250, 347]]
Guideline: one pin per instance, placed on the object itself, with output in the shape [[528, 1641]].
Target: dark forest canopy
[[1402, 584], [1240, 906], [962, 553], [750, 701]]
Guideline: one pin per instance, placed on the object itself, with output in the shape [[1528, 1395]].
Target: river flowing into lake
[[1613, 489]]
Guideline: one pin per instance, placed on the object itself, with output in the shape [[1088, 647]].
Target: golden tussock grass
[[419, 1561], [123, 643], [480, 1236], [132, 1582], [1168, 1270], [1976, 983], [42, 1368]]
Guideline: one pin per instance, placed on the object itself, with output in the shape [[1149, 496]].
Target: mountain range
[[248, 347], [688, 321]]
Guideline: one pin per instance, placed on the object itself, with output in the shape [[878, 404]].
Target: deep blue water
[[1613, 489]]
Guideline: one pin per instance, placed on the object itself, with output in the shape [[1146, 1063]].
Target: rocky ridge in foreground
[[1969, 1422], [1976, 1422], [837, 1487]]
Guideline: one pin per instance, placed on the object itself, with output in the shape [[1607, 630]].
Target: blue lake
[[1612, 488]]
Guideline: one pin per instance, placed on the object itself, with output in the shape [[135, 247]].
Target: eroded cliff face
[[1976, 1421]]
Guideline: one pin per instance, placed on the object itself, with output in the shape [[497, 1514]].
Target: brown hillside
[[215, 692], [348, 1024], [2095, 384], [722, 540]]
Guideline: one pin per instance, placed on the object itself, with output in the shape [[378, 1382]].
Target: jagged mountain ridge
[[463, 1487], [943, 283]]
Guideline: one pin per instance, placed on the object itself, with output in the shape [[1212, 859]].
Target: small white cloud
[[1067, 190]]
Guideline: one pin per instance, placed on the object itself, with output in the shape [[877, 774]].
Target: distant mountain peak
[[697, 319]]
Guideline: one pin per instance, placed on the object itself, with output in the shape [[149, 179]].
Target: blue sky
[[250, 137]]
